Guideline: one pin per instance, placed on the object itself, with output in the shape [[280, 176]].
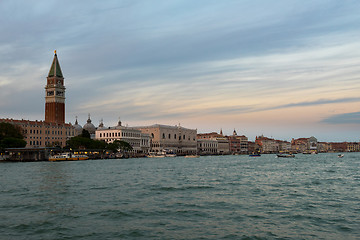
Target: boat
[[67, 157], [162, 154], [285, 155], [192, 156], [340, 155], [168, 153], [255, 155], [156, 155]]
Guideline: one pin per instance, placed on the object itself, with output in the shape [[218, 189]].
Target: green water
[[222, 197]]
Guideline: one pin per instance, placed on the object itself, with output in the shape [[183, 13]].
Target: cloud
[[317, 102], [346, 118], [180, 59]]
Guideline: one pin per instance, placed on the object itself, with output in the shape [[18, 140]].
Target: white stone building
[[138, 140], [177, 139], [222, 142], [207, 146]]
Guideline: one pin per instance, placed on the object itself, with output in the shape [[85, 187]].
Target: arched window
[[175, 136], [163, 135], [169, 135]]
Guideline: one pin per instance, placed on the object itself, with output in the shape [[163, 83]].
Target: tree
[[125, 146], [119, 145], [11, 136], [10, 130], [79, 142], [85, 134], [113, 147]]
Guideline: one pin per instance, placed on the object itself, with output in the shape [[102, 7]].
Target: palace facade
[[139, 141], [177, 139]]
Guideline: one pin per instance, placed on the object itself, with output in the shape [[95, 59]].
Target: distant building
[[207, 146], [78, 128], [313, 143], [43, 134], [88, 126], [353, 147], [284, 146], [324, 147], [338, 146], [138, 140], [253, 147], [177, 139], [304, 144], [212, 135], [267, 145], [204, 141], [238, 144]]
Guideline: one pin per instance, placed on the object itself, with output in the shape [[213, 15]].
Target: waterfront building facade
[[223, 145], [353, 147], [304, 144], [207, 146], [324, 147], [267, 145], [338, 146], [222, 142], [43, 134], [139, 141], [177, 139], [238, 144], [284, 146], [253, 147]]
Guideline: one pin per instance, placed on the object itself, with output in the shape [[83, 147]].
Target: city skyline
[[282, 69]]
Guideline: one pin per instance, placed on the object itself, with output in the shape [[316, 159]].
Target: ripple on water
[[226, 197]]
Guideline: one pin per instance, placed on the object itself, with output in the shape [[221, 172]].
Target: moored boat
[[285, 155], [68, 157], [169, 153], [255, 155], [163, 153], [156, 155]]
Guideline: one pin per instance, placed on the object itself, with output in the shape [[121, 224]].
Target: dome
[[89, 126], [101, 125], [78, 128]]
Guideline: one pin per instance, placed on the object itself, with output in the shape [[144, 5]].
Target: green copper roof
[[55, 70]]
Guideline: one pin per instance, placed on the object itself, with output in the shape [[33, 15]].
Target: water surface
[[221, 197]]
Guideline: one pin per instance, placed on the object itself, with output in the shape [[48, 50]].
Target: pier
[[27, 154]]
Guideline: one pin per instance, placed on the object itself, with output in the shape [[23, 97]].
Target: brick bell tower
[[55, 94]]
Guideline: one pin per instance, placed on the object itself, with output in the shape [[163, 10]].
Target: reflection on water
[[55, 188]]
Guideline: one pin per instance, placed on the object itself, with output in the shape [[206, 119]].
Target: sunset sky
[[283, 68]]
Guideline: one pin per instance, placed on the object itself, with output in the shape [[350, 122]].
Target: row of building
[[177, 139], [53, 131]]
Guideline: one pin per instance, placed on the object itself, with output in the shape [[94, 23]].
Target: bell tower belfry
[[55, 94]]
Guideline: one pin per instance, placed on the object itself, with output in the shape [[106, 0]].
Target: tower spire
[[55, 70]]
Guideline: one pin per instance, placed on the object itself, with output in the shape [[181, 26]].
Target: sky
[[283, 69]]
